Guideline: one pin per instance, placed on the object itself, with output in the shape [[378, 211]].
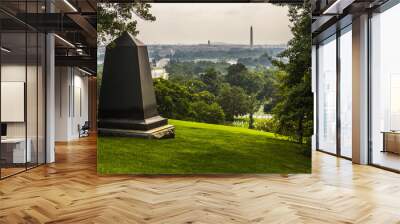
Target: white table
[[19, 154]]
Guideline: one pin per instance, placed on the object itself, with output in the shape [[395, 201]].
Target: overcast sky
[[194, 23]]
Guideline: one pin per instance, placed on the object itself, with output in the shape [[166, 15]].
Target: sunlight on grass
[[202, 149]]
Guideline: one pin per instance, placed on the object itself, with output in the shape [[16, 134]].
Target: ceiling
[[73, 22]]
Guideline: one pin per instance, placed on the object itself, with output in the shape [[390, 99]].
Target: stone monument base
[[166, 131], [131, 124]]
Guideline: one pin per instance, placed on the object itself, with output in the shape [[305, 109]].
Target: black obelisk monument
[[127, 103]]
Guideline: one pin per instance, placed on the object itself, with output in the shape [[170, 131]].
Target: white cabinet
[[19, 155]]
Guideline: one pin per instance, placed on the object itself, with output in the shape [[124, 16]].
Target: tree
[[233, 100], [269, 91], [193, 85], [208, 113], [253, 83], [212, 79], [293, 109], [184, 70], [236, 74], [204, 96], [173, 100], [115, 18]]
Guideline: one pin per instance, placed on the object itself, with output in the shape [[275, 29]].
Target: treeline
[[213, 97], [190, 69], [185, 70], [215, 53], [190, 53], [264, 60]]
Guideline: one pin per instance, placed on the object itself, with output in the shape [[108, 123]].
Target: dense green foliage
[[213, 95], [208, 113], [212, 80], [233, 101], [115, 18], [173, 100], [178, 101], [253, 83], [263, 60], [200, 149], [293, 104], [261, 124]]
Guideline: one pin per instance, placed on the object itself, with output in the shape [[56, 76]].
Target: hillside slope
[[202, 149]]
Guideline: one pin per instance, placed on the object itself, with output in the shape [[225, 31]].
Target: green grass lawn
[[200, 148]]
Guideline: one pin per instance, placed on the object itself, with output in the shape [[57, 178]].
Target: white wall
[[71, 102], [9, 73], [33, 126], [12, 73], [17, 73], [81, 104], [62, 82]]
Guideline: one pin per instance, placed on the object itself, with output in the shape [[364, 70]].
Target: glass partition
[[327, 95], [22, 77], [14, 153]]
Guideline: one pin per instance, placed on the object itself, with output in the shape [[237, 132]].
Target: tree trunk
[[251, 121]]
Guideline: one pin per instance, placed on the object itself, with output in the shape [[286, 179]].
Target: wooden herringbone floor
[[70, 191]]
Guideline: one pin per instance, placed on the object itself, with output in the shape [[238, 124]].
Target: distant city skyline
[[198, 23]]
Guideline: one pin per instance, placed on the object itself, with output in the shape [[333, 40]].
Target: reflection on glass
[[22, 90], [346, 93], [394, 102], [14, 150], [41, 98], [31, 101], [327, 96], [385, 93]]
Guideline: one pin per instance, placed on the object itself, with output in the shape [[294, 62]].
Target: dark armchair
[[84, 130]]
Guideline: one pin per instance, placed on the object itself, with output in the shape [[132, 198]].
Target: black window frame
[[337, 30], [31, 30]]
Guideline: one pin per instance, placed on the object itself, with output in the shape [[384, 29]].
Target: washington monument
[[251, 36]]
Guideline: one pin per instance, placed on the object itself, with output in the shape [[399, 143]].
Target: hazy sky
[[225, 22]]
